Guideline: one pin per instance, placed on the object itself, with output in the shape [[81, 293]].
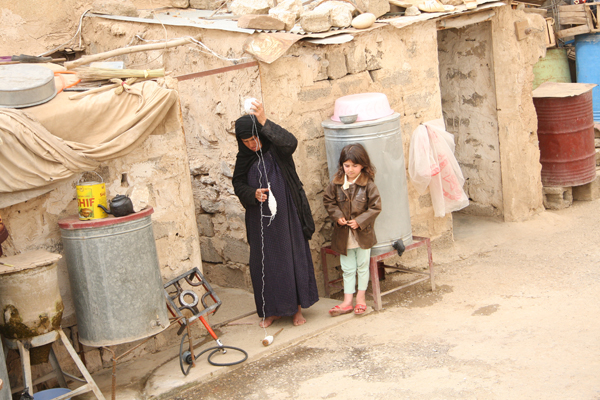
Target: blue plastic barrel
[[50, 394], [587, 52]]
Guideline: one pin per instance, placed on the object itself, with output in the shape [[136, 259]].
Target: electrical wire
[[70, 40]]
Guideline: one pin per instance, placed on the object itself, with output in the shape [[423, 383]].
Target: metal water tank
[[115, 278], [565, 133], [382, 139]]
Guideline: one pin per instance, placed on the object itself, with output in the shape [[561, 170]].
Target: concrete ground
[[515, 316], [159, 375]]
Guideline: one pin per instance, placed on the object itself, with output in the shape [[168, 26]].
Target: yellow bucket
[[89, 195]]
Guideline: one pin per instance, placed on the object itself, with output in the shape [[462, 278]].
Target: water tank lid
[[331, 124], [28, 260], [73, 221], [558, 89]]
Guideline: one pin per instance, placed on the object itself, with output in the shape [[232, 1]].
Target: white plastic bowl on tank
[[367, 106]]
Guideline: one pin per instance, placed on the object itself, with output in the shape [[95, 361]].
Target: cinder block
[[557, 197], [588, 192]]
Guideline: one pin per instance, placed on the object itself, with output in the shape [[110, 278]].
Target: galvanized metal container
[[29, 295], [115, 278], [587, 52], [25, 85], [552, 68], [382, 139], [566, 134]]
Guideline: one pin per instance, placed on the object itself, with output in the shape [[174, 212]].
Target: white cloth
[[50, 142]]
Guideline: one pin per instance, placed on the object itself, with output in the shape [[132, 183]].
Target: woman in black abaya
[[265, 159]]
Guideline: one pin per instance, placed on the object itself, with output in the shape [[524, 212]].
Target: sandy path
[[516, 316]]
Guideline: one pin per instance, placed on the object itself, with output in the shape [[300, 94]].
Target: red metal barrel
[[566, 138]]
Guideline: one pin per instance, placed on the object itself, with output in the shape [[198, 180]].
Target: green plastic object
[[552, 68]]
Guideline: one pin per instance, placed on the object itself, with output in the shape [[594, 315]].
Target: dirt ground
[[515, 316]]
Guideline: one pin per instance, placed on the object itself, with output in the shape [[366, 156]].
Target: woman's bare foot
[[298, 318], [265, 323]]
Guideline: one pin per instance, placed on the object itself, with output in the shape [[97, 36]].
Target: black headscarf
[[246, 127]]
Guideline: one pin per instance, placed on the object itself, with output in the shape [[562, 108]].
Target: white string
[[261, 160]]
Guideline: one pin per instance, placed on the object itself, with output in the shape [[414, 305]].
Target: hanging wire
[[70, 40]]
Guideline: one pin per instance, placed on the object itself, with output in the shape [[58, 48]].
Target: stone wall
[[299, 91]]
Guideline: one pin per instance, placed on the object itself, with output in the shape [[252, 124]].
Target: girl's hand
[[261, 194], [259, 112], [342, 221], [353, 224]]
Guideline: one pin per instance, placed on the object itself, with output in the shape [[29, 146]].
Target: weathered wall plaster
[[517, 120], [469, 107]]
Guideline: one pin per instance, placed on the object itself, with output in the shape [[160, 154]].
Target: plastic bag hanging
[[432, 163]]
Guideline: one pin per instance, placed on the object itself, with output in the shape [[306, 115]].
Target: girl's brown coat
[[361, 202]]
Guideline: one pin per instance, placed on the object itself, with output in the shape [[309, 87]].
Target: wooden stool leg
[[57, 370], [430, 260], [26, 365], [325, 271], [375, 284], [82, 368]]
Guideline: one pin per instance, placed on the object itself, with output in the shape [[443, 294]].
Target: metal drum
[[29, 295], [383, 141], [552, 68], [587, 51], [565, 133], [115, 278]]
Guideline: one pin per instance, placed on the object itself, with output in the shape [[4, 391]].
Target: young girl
[[352, 201]]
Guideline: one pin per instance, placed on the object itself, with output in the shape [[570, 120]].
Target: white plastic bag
[[432, 163]]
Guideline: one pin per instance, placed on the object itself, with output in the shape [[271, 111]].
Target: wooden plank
[[550, 36], [520, 28], [572, 13], [581, 20], [574, 7], [578, 30]]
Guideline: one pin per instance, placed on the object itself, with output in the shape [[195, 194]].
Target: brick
[[315, 21], [557, 197], [260, 22], [337, 65], [588, 192]]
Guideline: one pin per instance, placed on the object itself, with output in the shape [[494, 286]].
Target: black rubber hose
[[215, 350]]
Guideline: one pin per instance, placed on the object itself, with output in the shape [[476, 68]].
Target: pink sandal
[[337, 310], [360, 309]]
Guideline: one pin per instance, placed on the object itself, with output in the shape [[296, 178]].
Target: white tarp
[[48, 143]]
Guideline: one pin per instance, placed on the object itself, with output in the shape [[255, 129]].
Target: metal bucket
[[587, 52], [552, 68], [115, 278], [566, 139], [383, 141]]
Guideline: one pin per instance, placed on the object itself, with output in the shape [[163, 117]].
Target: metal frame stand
[[23, 345], [375, 263]]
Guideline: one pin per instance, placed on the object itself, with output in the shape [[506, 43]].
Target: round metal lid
[[73, 221], [25, 85], [28, 260]]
